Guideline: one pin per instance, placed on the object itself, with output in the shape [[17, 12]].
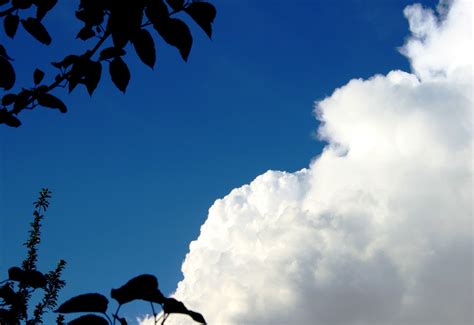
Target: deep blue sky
[[133, 175]]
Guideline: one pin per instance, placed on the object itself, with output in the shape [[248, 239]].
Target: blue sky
[[133, 175]]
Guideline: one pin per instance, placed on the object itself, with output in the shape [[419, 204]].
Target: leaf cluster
[[143, 287], [125, 22], [22, 282]]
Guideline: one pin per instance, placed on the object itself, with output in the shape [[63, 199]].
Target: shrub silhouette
[[24, 281], [124, 21]]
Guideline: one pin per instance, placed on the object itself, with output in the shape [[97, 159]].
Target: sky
[[349, 121]]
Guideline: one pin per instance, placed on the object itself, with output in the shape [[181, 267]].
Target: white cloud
[[378, 230]]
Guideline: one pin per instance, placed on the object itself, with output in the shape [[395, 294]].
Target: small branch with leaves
[[125, 22]]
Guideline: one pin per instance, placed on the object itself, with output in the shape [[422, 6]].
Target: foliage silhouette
[[22, 282], [124, 21]]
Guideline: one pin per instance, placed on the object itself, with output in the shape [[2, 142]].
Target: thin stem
[[154, 312], [116, 313], [108, 318]]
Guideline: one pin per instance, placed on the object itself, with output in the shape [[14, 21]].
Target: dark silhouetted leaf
[[12, 121], [66, 62], [3, 53], [176, 5], [37, 30], [48, 100], [21, 100], [16, 274], [125, 19], [89, 302], [93, 71], [119, 73], [10, 24], [172, 305], [43, 6], [34, 279], [85, 33], [89, 319], [156, 10], [176, 33], [7, 75], [38, 75], [22, 4], [203, 13], [197, 317], [142, 287], [122, 320], [145, 47], [111, 52], [8, 99]]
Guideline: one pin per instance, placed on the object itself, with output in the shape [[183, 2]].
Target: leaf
[[176, 33], [34, 279], [10, 24], [203, 13], [12, 121], [176, 5], [172, 305], [21, 101], [48, 100], [22, 4], [145, 47], [38, 75], [111, 52], [37, 30], [7, 75], [196, 317], [85, 33], [119, 73], [89, 302], [92, 75], [8, 99], [142, 287], [43, 6], [16, 274], [3, 53], [89, 319], [156, 10]]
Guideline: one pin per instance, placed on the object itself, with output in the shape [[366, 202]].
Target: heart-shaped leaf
[[203, 13], [145, 47], [37, 30], [119, 73], [89, 302]]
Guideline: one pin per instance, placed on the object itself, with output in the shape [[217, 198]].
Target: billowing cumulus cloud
[[378, 229]]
